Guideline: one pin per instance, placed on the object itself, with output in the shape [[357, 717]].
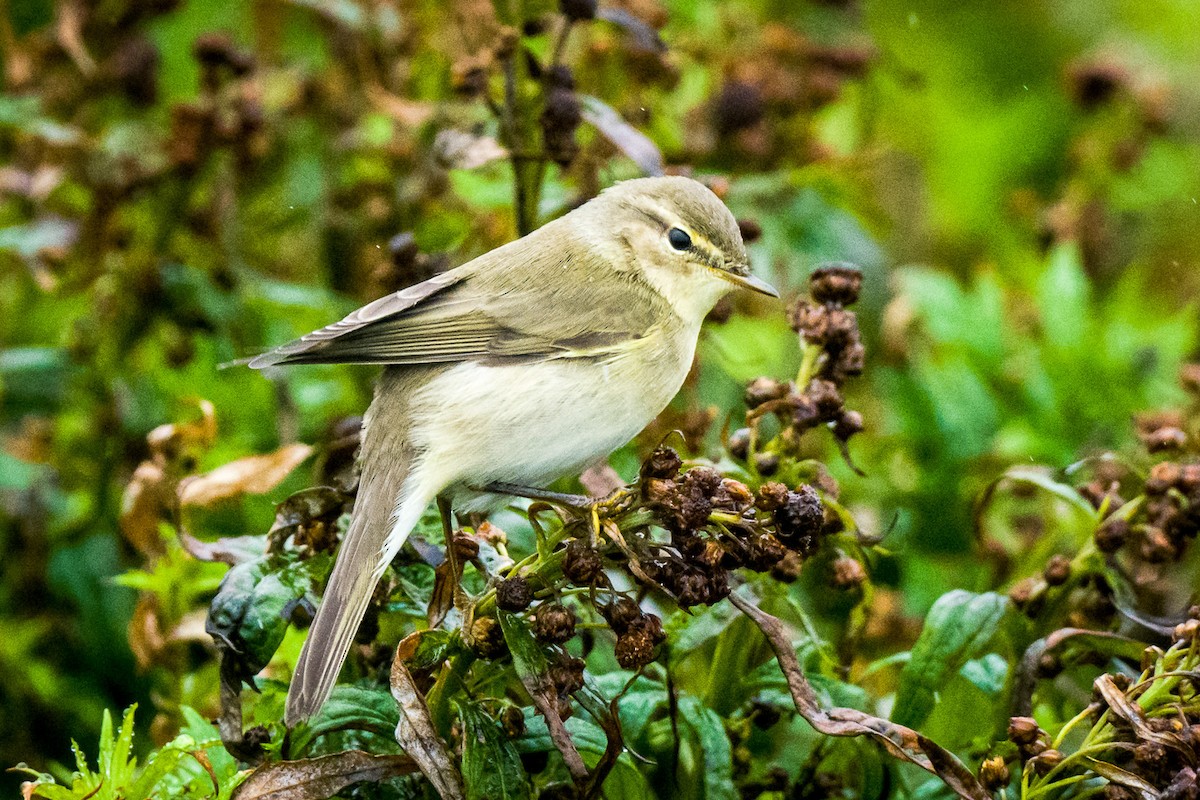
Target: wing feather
[[508, 305]]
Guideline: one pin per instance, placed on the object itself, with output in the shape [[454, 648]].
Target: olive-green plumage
[[522, 365]]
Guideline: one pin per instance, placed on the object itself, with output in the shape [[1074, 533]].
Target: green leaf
[[527, 655], [958, 627], [714, 759], [247, 610], [491, 765]]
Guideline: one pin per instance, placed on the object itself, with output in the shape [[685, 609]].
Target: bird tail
[[387, 508]]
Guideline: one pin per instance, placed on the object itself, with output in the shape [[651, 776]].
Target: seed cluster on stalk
[[833, 353], [1147, 520]]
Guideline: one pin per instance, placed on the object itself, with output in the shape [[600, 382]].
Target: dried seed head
[[787, 569], [513, 721], [487, 638], [762, 390], [800, 520], [733, 495], [664, 462], [994, 774], [514, 594], [772, 496], [739, 443], [553, 623], [635, 648], [566, 673], [1112, 535], [848, 424], [1164, 476], [766, 464], [1156, 546], [846, 573], [621, 614], [836, 283], [763, 552], [582, 564], [827, 398], [1057, 570]]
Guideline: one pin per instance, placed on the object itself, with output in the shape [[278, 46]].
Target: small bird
[[528, 363]]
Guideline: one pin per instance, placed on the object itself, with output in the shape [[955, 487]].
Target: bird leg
[[532, 493]]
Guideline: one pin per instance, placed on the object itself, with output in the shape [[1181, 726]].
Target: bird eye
[[679, 239]]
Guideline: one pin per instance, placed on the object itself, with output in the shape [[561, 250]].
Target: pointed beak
[[749, 281]]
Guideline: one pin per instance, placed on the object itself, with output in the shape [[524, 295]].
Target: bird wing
[[511, 305]]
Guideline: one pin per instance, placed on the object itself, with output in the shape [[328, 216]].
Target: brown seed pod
[[1112, 535], [664, 462], [582, 564], [487, 638], [1057, 570], [846, 573], [763, 390], [771, 496], [635, 648], [1024, 731], [566, 673], [800, 520], [553, 623], [514, 594], [994, 774], [621, 614], [836, 283]]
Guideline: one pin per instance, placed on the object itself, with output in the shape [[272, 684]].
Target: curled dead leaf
[[620, 134], [416, 734], [318, 778], [251, 475]]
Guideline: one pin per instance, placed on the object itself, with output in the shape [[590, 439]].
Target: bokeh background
[[184, 183]]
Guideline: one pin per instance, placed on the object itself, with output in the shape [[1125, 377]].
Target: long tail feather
[[389, 504]]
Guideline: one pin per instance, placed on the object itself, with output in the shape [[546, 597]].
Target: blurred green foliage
[[183, 184]]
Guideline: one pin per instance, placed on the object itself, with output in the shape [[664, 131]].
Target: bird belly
[[531, 423]]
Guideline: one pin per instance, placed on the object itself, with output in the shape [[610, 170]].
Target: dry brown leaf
[[903, 743], [319, 778], [420, 739], [144, 504], [146, 638], [251, 475]]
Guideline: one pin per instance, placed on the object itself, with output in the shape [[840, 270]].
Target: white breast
[[529, 424]]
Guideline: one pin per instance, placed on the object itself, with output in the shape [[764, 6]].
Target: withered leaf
[[251, 475], [629, 140], [903, 743], [416, 734], [319, 778]]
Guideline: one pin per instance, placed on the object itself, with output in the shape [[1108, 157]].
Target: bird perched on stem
[[523, 365]]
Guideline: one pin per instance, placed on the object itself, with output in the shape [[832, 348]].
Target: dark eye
[[679, 239]]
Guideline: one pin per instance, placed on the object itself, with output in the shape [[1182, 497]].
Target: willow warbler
[[525, 364]]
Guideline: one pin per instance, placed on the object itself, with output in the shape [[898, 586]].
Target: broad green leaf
[[714, 759], [958, 627], [491, 765]]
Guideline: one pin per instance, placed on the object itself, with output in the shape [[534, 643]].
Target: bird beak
[[749, 281]]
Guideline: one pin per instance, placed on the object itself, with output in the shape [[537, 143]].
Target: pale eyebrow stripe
[[700, 242]]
